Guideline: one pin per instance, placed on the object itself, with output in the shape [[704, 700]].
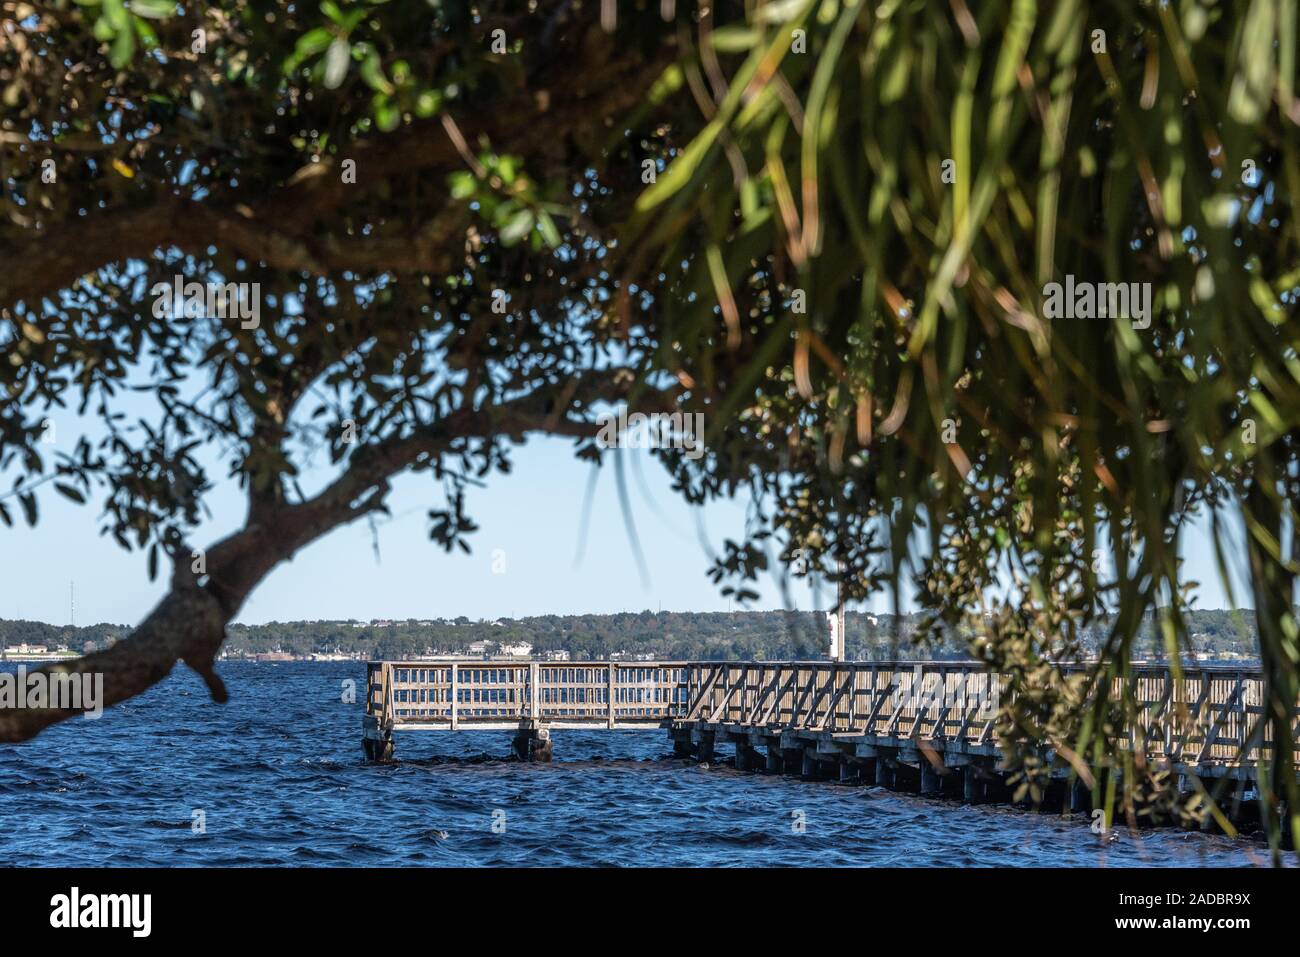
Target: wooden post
[[534, 693], [681, 742], [773, 757], [612, 666], [742, 757], [455, 696], [838, 642], [791, 760], [884, 774], [929, 777], [532, 743], [703, 741], [1080, 797], [376, 740]]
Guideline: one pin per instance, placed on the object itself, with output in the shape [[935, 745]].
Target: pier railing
[[470, 694], [898, 699], [1214, 714]]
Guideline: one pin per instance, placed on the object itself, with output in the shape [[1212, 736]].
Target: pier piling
[[884, 773], [703, 741], [1080, 798], [929, 778], [773, 758], [682, 747], [377, 738], [532, 743], [747, 757]]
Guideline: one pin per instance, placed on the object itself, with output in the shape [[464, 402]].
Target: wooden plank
[[898, 712], [1213, 733], [534, 697], [612, 691], [1161, 711], [970, 709], [925, 703], [713, 716], [455, 695], [705, 690], [821, 693], [760, 696], [870, 725], [830, 708], [798, 703], [1196, 717], [776, 699]]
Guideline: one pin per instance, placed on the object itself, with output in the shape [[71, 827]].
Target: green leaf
[[148, 38], [735, 38], [549, 233], [463, 184], [309, 45], [372, 71], [331, 10], [387, 115], [336, 63], [122, 49], [1252, 87], [519, 226], [116, 15], [681, 170], [67, 491], [28, 501], [153, 9], [428, 103]]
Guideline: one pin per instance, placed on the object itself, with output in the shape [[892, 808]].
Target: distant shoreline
[[489, 662], [659, 636]]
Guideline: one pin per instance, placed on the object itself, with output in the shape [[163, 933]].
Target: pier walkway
[[931, 722]]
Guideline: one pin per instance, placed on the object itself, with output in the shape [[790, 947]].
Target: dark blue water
[[279, 778]]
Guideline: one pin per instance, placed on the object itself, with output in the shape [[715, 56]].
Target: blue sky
[[528, 556], [525, 559]]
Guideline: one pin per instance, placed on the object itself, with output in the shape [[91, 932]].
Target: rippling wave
[[279, 777]]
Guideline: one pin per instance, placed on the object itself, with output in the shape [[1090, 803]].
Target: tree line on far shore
[[734, 636]]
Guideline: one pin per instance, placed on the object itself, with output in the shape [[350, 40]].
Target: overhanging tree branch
[[189, 623], [280, 229]]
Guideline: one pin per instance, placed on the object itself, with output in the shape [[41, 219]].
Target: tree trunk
[[188, 624]]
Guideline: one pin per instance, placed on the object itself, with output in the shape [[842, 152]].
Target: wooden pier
[[929, 722], [531, 697]]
